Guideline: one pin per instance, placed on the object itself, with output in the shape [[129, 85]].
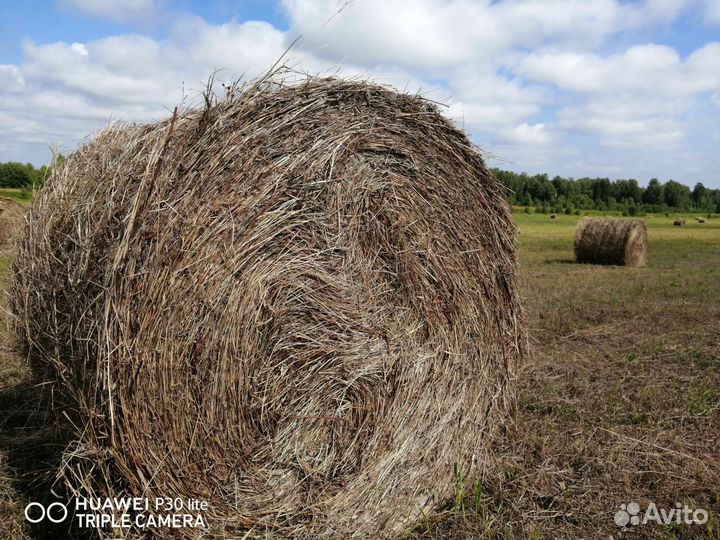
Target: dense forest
[[21, 175], [537, 192], [570, 195]]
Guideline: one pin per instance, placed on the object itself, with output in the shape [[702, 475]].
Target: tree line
[[21, 175], [570, 195], [535, 191]]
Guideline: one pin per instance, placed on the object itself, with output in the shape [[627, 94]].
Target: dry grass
[[297, 304], [611, 241], [619, 401], [26, 445], [11, 218]]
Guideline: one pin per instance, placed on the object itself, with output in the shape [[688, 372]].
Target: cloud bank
[[562, 86]]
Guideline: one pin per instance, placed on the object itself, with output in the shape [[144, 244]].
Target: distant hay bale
[[553, 216], [700, 220], [11, 219], [298, 304], [679, 222], [611, 241]]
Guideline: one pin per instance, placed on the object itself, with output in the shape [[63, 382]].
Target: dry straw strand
[[298, 303], [611, 241]]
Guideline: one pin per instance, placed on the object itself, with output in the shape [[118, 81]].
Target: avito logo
[[630, 515]]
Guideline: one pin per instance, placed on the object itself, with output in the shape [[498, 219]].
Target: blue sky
[[48, 21], [608, 88]]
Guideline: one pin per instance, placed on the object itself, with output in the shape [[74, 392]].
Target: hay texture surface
[[298, 304], [611, 241], [11, 219]]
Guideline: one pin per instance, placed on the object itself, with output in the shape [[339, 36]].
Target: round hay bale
[[700, 220], [553, 216], [679, 223], [611, 241], [11, 219], [298, 304]]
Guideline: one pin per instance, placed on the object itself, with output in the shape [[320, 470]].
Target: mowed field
[[619, 401]]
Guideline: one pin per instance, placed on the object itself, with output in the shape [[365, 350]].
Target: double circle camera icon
[[55, 512]]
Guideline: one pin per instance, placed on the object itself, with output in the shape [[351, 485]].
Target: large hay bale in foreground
[[611, 241], [298, 304], [11, 219]]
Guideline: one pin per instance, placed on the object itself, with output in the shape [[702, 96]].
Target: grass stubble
[[619, 401]]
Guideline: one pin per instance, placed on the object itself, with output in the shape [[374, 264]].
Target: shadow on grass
[[560, 261], [33, 442]]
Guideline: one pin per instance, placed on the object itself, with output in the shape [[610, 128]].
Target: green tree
[[654, 193], [700, 196], [677, 195], [604, 194], [16, 175]]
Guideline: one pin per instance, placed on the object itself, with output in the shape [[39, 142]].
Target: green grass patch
[[5, 262], [23, 196]]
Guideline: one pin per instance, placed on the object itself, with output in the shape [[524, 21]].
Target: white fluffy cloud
[[11, 80], [425, 33], [62, 92], [528, 134], [636, 98], [532, 81], [113, 10], [712, 12], [642, 68], [436, 34], [77, 87], [608, 121], [137, 69], [488, 99]]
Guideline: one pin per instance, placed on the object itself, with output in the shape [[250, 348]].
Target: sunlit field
[[619, 401]]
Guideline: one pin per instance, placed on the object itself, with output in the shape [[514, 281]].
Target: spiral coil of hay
[[611, 241], [298, 304]]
